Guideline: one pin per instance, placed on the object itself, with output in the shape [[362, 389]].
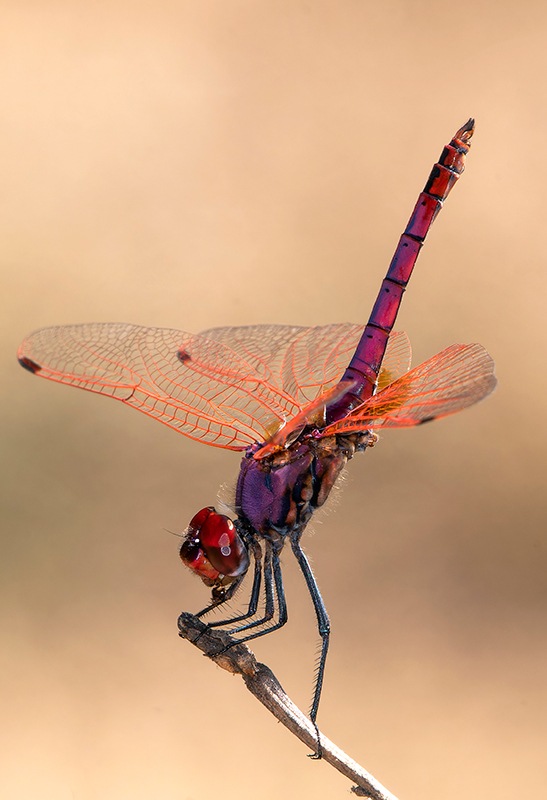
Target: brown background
[[192, 164]]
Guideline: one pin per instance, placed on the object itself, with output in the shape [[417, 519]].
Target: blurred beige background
[[195, 164]]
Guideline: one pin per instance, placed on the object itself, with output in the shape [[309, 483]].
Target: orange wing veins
[[452, 380]]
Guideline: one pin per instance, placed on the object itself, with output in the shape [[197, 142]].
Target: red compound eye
[[213, 549], [197, 521]]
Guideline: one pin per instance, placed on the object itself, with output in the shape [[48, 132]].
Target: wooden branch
[[261, 681]]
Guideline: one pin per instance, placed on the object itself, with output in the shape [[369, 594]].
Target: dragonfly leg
[[323, 626], [223, 595], [275, 595], [218, 601], [255, 591], [269, 602]]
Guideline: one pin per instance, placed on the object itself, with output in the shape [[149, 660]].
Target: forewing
[[452, 380], [199, 387], [305, 362]]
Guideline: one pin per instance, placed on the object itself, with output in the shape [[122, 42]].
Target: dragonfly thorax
[[278, 494]]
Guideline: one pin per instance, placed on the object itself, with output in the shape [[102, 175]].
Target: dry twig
[[261, 681]]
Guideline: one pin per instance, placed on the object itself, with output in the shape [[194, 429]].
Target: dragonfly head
[[213, 549]]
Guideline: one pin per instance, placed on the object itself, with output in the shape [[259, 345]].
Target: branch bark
[[263, 684]]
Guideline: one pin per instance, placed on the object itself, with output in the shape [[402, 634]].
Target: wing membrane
[[159, 372], [228, 387], [306, 362], [452, 380]]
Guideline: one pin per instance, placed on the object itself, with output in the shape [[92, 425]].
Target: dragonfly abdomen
[[365, 364]]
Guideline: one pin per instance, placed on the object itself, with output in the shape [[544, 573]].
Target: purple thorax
[[278, 495]]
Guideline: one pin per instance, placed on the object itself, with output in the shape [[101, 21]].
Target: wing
[[452, 380], [312, 414], [227, 387], [396, 359], [306, 362], [197, 386]]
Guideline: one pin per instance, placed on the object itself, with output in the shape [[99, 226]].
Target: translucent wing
[[313, 414], [305, 362], [452, 380], [396, 360], [197, 386], [228, 387]]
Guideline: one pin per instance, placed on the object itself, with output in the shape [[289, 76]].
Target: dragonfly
[[299, 402]]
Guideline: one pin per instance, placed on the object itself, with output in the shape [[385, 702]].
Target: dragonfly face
[[213, 549]]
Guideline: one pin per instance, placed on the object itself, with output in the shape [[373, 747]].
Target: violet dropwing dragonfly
[[298, 402]]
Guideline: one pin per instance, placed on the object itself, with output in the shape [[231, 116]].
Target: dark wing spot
[[183, 356], [29, 364], [427, 419]]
